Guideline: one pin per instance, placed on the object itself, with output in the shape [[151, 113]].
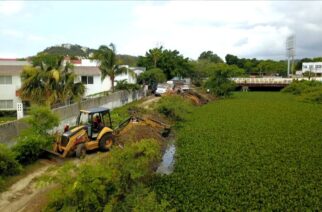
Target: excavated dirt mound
[[137, 132]]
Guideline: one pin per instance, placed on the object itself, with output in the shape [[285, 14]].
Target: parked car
[[161, 89], [185, 87]]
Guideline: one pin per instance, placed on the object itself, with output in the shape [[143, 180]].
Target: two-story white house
[[86, 72], [10, 82]]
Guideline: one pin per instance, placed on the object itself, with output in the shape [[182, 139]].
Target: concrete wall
[[68, 114]]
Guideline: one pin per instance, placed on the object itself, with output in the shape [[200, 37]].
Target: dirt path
[[149, 101], [23, 192]]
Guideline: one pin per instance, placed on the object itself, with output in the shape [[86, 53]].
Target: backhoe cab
[[92, 132]]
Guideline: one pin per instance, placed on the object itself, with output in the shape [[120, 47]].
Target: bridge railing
[[270, 80]]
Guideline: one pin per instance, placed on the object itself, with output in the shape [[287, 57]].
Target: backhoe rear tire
[[106, 142], [81, 151]]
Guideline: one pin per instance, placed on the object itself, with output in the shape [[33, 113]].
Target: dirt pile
[[137, 133], [145, 127]]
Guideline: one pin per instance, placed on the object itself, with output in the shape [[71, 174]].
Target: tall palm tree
[[156, 54], [48, 81], [108, 63]]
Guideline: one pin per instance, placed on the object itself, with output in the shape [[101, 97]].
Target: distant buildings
[[86, 71], [313, 67]]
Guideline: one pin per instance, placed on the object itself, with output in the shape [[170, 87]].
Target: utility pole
[[290, 51]]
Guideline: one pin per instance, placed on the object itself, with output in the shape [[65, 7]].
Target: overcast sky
[[246, 29]]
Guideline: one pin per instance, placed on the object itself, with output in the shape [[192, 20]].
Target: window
[[6, 104], [318, 66], [5, 80], [304, 66], [87, 80]]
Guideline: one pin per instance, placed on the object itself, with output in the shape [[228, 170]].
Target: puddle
[[167, 164]]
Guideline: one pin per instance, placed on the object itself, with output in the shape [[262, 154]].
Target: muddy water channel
[[167, 164]]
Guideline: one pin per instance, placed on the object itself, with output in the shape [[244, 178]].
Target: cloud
[[16, 34], [11, 7], [247, 29]]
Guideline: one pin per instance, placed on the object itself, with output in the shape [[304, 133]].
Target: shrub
[[174, 107], [8, 164], [312, 95], [30, 146], [308, 91], [140, 199], [124, 85], [219, 83], [106, 181], [35, 138]]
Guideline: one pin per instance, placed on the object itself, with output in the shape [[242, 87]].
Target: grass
[[7, 119], [255, 151]]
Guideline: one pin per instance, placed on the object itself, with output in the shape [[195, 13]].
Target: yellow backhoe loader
[[94, 130]]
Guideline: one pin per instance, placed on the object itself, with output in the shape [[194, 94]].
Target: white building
[[86, 71], [10, 82], [314, 67]]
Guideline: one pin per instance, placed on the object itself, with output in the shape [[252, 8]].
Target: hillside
[[72, 50], [75, 50]]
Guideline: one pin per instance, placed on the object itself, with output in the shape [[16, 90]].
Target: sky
[[243, 28]]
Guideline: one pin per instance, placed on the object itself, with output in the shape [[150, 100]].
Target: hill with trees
[[78, 51]]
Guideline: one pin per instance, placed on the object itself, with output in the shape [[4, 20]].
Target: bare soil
[[24, 192], [150, 100]]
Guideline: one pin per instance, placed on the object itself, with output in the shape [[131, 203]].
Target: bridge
[[268, 82], [262, 82]]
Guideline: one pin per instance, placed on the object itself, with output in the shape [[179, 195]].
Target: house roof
[[87, 70], [12, 70]]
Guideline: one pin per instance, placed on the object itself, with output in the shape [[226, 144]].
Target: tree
[[152, 77], [210, 56], [169, 61], [49, 81], [35, 138], [155, 53], [108, 64], [231, 59], [270, 67], [219, 83]]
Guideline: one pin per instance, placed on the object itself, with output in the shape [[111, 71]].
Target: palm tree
[[48, 81], [156, 55], [108, 64]]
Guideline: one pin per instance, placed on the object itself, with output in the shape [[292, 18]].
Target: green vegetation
[[32, 140], [7, 119], [258, 67], [171, 62], [174, 107], [8, 164], [308, 91], [48, 81], [219, 82], [152, 77], [124, 85], [72, 50], [210, 57], [111, 182], [256, 151], [75, 51]]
